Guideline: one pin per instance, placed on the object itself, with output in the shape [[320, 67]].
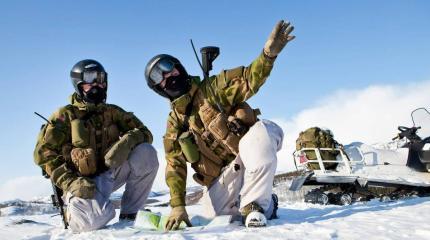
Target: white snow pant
[[249, 178], [137, 173]]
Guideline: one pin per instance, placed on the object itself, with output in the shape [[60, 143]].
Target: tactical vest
[[93, 131], [210, 138]]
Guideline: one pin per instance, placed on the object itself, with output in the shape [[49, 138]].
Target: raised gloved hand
[[279, 37], [177, 215], [83, 188], [119, 151]]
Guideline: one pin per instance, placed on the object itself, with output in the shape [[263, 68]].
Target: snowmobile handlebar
[[408, 133]]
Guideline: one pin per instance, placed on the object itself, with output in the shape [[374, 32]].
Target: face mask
[[95, 95], [177, 86]]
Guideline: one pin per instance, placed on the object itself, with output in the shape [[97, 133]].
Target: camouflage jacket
[[231, 87], [105, 123]]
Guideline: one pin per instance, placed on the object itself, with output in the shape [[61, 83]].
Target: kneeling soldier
[[212, 127], [90, 149]]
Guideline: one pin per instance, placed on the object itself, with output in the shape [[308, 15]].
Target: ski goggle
[[91, 76], [160, 69], [94, 77]]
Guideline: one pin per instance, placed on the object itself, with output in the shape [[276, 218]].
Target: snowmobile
[[365, 172]]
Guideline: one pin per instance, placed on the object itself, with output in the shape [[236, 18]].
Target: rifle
[[56, 199], [209, 54]]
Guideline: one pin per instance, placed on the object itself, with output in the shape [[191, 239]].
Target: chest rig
[[95, 131], [209, 138]]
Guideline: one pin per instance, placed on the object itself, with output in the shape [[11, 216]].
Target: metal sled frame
[[343, 174], [345, 160]]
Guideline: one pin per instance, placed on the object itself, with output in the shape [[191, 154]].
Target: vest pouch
[[207, 113], [232, 142], [189, 148], [218, 127], [80, 134], [206, 167], [206, 152]]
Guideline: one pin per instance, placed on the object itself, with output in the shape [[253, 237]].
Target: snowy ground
[[404, 219]]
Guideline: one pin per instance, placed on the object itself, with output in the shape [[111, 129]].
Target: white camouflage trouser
[[137, 173], [249, 177]]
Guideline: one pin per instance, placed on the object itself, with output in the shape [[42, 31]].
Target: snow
[[403, 219]]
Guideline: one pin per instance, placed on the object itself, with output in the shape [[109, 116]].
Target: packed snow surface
[[403, 219]]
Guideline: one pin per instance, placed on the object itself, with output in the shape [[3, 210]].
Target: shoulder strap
[[185, 126], [188, 111], [73, 113]]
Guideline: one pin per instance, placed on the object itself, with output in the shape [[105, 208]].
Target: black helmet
[[176, 86], [89, 71]]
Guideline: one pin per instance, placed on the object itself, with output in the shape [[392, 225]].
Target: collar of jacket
[[77, 102], [180, 104]]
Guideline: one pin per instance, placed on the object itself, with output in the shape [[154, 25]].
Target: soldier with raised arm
[[211, 127]]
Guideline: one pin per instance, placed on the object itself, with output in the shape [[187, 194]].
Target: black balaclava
[[177, 86], [95, 95]]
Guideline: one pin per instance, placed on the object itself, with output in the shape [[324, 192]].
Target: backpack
[[316, 137]]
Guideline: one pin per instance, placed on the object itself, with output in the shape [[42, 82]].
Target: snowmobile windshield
[[421, 118]]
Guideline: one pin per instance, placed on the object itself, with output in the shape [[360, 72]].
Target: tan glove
[[177, 215], [84, 160], [83, 188], [119, 152], [279, 37]]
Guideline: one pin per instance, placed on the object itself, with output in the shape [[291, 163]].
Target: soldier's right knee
[[84, 216]]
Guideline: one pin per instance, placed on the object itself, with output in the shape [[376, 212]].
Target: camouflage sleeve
[[239, 84], [176, 167], [127, 122], [53, 140]]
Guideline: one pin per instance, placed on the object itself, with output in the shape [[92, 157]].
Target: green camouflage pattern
[[106, 123], [231, 87], [316, 137]]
